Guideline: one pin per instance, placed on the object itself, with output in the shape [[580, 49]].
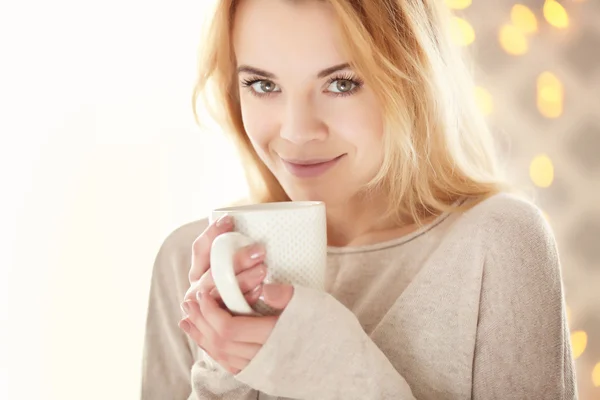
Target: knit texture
[[469, 306]]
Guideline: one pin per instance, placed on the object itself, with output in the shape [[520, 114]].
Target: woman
[[441, 285]]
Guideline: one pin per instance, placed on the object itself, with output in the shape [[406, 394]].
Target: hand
[[248, 262], [232, 341]]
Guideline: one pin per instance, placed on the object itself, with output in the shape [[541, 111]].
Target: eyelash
[[358, 83]]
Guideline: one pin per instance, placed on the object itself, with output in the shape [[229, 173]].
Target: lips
[[310, 168]]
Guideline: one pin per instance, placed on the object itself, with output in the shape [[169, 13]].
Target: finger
[[208, 341], [248, 280], [202, 244], [195, 317], [248, 257], [237, 329], [242, 351], [237, 364], [194, 288], [193, 332], [251, 297], [245, 259], [277, 296]]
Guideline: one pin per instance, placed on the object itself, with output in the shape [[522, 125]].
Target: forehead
[[287, 35]]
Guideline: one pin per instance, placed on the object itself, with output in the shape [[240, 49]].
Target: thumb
[[276, 295]]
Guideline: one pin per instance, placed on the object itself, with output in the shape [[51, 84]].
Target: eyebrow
[[265, 74]]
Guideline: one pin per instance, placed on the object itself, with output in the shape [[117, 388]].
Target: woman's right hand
[[248, 264]]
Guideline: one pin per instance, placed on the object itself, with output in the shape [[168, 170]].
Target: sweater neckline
[[399, 241]]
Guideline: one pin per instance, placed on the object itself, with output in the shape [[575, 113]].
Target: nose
[[301, 123]]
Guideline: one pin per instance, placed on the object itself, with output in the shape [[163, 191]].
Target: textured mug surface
[[295, 237]]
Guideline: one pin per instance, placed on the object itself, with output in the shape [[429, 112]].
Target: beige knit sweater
[[469, 306]]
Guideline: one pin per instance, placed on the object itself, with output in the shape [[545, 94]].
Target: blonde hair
[[437, 146]]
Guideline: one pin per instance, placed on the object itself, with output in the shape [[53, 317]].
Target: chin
[[330, 195]]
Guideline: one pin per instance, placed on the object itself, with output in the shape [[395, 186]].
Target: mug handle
[[222, 254]]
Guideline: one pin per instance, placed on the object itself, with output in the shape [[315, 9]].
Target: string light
[[524, 19], [513, 41], [463, 33], [541, 171], [578, 343], [484, 100], [555, 14], [550, 95]]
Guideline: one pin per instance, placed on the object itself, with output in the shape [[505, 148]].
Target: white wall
[[99, 160]]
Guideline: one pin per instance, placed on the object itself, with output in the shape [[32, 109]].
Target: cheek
[[260, 129], [360, 124]]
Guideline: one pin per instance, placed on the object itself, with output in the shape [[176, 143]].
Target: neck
[[359, 222]]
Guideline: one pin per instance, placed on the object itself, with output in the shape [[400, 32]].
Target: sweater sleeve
[[523, 348], [169, 354], [318, 350]]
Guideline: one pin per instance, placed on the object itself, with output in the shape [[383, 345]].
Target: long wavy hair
[[437, 145]]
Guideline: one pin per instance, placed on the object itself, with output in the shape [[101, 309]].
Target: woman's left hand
[[232, 341]]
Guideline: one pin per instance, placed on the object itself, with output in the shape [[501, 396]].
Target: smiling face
[[310, 118]]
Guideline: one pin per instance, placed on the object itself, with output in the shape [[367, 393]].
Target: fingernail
[[198, 296], [184, 325], [258, 272], [185, 307], [270, 291], [257, 251], [224, 221], [254, 292]]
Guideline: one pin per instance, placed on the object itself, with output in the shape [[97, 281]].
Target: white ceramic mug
[[295, 238]]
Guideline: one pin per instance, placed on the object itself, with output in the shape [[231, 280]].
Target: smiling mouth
[[310, 168]]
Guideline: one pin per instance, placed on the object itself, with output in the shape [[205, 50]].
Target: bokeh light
[[463, 33], [555, 14], [541, 171], [550, 95], [523, 18], [458, 4], [596, 375], [578, 343], [484, 100], [512, 40]]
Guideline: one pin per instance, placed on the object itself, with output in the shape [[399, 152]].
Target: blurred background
[[101, 159]]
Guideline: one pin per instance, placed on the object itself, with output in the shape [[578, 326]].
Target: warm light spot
[[463, 33], [550, 110], [550, 95], [596, 375], [547, 218], [458, 4], [484, 100], [555, 14], [547, 79], [541, 171], [523, 18], [512, 40], [578, 343]]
